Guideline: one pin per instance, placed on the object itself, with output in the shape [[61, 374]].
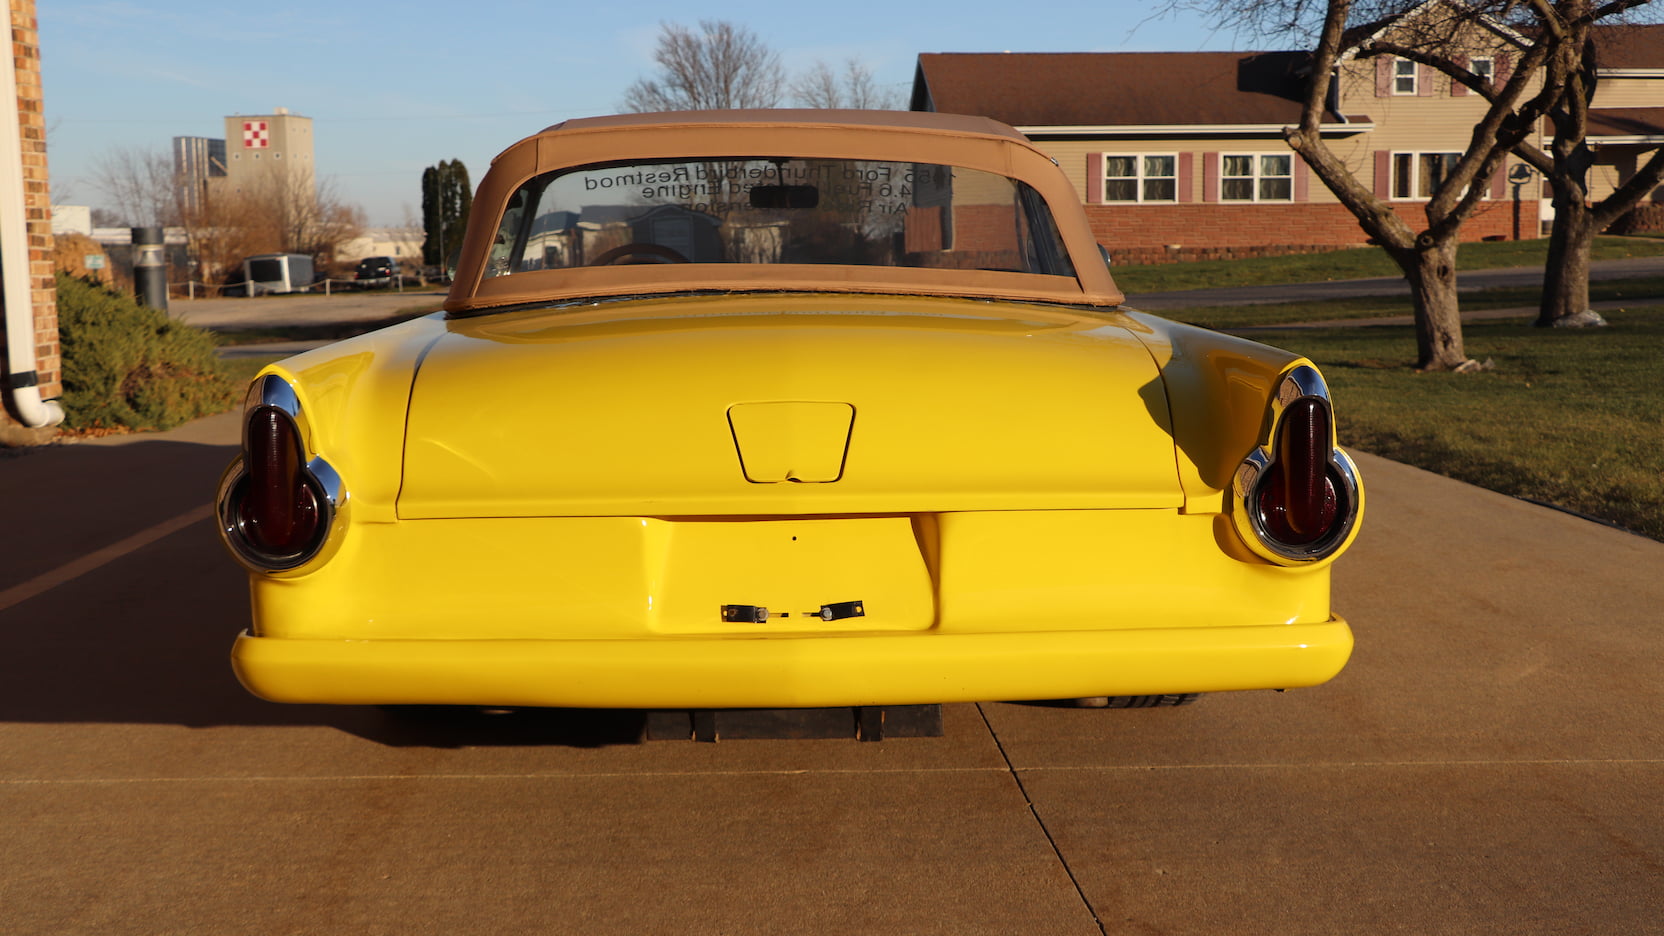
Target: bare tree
[[820, 86], [137, 185], [1427, 257], [284, 210], [718, 67], [1566, 165], [1555, 42], [224, 228], [1430, 33]]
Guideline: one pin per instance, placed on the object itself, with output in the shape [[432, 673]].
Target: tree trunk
[[1566, 274], [1432, 275]]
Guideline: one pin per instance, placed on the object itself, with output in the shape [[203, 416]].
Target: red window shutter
[[1457, 89], [1302, 180], [1383, 174], [1210, 177], [1424, 80], [1499, 181], [1094, 178], [1383, 76], [1504, 69], [1187, 176]]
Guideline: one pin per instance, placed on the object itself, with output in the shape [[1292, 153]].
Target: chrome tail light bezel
[[1302, 382], [272, 393]]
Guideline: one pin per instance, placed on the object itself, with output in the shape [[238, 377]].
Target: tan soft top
[[902, 136]]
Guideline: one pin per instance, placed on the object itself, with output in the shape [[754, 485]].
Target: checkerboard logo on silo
[[256, 134]]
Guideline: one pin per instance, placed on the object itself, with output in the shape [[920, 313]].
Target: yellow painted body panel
[[1217, 386], [791, 441], [625, 411], [551, 508], [596, 599], [354, 394], [801, 672]]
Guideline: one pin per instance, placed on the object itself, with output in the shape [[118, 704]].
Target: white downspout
[[14, 262]]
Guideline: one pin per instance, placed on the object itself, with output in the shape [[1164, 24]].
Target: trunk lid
[[786, 405]]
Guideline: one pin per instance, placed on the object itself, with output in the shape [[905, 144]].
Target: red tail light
[[279, 512], [1298, 501]]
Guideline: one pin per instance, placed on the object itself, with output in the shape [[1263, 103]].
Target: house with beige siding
[[1626, 118], [1180, 155]]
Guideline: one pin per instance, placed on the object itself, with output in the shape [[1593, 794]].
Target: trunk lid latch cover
[[799, 442]]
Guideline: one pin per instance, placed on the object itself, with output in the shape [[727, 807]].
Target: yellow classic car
[[786, 409]]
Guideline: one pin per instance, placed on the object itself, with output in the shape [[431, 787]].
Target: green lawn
[[1571, 417], [1642, 290], [1354, 264]]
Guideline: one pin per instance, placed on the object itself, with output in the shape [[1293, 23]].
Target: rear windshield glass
[[777, 210], [266, 271]]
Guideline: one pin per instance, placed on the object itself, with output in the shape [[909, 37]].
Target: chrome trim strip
[[272, 390], [329, 481]]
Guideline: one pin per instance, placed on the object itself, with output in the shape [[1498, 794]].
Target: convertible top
[[803, 117], [977, 143]]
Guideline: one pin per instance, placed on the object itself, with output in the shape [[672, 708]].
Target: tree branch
[[1376, 218], [1614, 8], [1615, 205]]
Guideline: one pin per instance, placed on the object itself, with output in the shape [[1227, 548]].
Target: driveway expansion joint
[[1016, 776]]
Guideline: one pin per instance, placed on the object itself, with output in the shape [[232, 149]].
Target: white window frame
[[1399, 75], [1489, 75], [1415, 174], [1257, 176], [1139, 177]]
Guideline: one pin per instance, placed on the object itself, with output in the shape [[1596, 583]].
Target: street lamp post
[[150, 267]]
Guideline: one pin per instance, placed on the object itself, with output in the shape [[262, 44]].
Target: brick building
[[30, 340], [1181, 155]]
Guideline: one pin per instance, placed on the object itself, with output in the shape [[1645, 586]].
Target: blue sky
[[395, 87]]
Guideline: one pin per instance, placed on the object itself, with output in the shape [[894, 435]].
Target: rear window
[[759, 210], [266, 271]]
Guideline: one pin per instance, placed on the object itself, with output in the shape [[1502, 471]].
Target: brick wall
[[37, 199], [1210, 231]]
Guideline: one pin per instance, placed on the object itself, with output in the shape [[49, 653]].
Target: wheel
[[665, 254]]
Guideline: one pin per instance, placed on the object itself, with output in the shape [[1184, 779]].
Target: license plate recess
[[717, 576]]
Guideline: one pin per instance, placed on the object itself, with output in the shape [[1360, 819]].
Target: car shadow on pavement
[[445, 726], [144, 637]]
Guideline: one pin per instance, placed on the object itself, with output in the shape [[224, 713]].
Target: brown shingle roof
[[1117, 88], [1629, 46], [1626, 122]]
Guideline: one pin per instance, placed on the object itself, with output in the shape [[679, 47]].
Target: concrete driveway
[[1490, 762]]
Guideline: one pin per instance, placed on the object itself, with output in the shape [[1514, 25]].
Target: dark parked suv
[[376, 271]]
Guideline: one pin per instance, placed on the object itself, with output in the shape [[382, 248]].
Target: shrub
[[128, 365]]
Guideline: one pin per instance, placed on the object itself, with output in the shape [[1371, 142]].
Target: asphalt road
[[231, 314], [1490, 762]]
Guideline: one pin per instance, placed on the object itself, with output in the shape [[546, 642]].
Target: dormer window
[[1403, 76]]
